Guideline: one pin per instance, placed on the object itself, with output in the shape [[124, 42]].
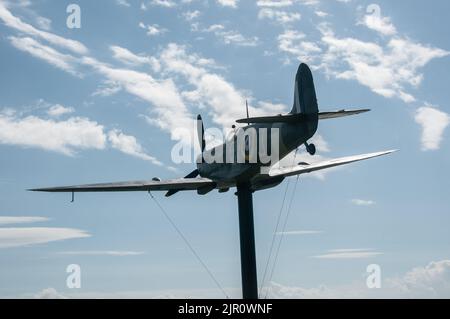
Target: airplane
[[252, 173], [295, 129]]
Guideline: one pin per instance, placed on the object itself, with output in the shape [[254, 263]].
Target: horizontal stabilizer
[[298, 117], [341, 113]]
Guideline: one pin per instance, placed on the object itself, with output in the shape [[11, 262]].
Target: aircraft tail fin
[[305, 101]]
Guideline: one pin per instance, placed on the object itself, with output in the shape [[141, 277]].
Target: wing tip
[[391, 151], [39, 190]]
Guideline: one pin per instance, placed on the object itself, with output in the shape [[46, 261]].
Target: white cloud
[[163, 3], [169, 111], [13, 22], [123, 3], [44, 23], [282, 17], [66, 136], [49, 293], [293, 42], [375, 21], [433, 123], [379, 23], [117, 253], [388, 71], [62, 61], [107, 88], [25, 236], [127, 57], [362, 202], [225, 101], [430, 281], [232, 36], [274, 3], [152, 29], [191, 15], [228, 3], [299, 232], [128, 144], [321, 14], [349, 254], [8, 220], [58, 110]]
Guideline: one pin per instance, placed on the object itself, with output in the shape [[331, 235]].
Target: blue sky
[[106, 102]]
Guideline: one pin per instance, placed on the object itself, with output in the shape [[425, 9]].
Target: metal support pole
[[247, 242]]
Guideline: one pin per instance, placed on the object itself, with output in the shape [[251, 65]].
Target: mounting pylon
[[247, 242]]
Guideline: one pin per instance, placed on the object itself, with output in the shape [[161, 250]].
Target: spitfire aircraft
[[295, 129], [235, 164]]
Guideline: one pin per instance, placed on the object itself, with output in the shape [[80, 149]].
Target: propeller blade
[[192, 174], [246, 107], [201, 133]]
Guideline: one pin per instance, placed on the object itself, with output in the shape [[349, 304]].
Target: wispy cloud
[[279, 16], [349, 254], [163, 3], [58, 110], [300, 232], [168, 106], [117, 253], [274, 3], [129, 58], [62, 61], [191, 15], [26, 236], [152, 29], [8, 220], [16, 23], [293, 42], [210, 88], [362, 202], [123, 3], [128, 144], [232, 36], [228, 3]]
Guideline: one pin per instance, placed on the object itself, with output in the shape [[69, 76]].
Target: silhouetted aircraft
[[242, 161], [294, 129]]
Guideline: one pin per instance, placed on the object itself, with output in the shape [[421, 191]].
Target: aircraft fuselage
[[231, 172]]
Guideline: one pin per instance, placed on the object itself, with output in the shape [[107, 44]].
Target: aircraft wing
[[179, 184], [308, 168]]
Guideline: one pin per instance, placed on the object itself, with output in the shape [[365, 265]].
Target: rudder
[[305, 100]]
